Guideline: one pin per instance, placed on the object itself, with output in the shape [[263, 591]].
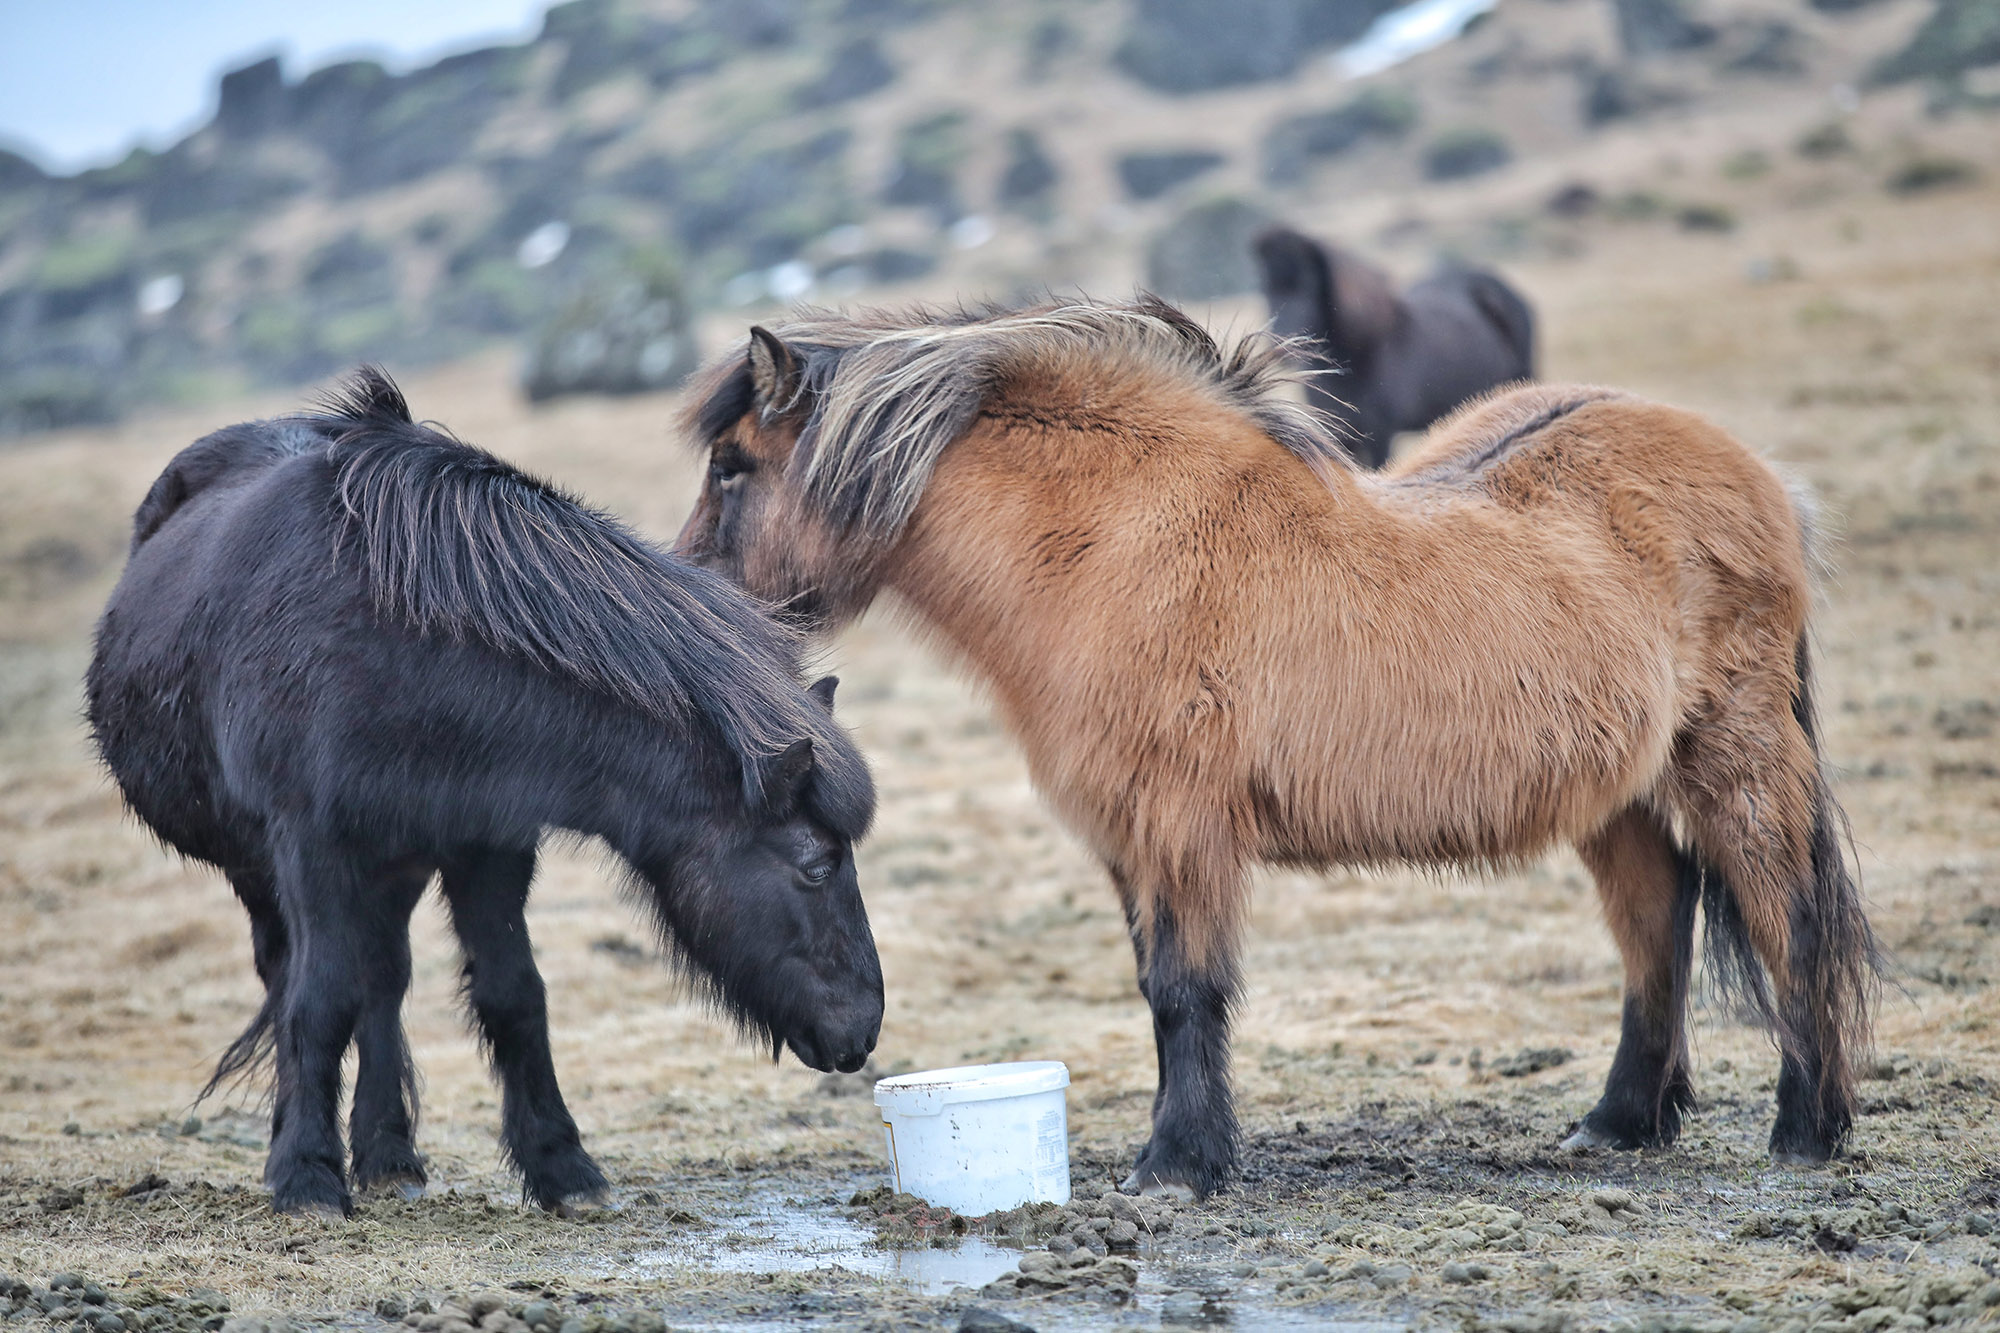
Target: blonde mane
[[884, 393]]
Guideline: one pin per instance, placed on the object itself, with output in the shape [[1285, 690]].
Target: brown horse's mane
[[882, 393]]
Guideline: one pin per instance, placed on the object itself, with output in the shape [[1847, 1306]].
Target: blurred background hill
[[640, 167]]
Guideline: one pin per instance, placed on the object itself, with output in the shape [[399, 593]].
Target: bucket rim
[[926, 1090]]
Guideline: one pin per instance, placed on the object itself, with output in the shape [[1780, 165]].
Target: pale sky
[[81, 81]]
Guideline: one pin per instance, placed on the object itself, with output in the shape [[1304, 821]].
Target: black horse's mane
[[457, 543]]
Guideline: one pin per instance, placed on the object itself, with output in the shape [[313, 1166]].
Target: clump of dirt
[[907, 1221], [902, 1220], [1091, 1248], [1533, 1061]]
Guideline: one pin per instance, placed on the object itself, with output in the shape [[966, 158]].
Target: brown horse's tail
[[1835, 964], [1815, 984], [1823, 1006]]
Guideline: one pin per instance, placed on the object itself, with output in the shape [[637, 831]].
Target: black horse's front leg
[[487, 890], [1191, 989]]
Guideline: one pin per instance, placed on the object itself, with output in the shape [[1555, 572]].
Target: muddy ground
[[1401, 1163]]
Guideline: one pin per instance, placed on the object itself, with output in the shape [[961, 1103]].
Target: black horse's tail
[[455, 542], [249, 1053]]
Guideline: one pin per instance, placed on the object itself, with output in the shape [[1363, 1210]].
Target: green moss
[[1470, 151], [935, 143], [190, 243], [1705, 217], [132, 169], [1748, 164], [1637, 205], [492, 296], [1390, 111], [85, 261], [1828, 140], [354, 333], [54, 396], [200, 387], [272, 331]]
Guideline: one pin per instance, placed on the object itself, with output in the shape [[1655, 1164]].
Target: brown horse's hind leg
[[1650, 890], [1778, 893], [1188, 974]]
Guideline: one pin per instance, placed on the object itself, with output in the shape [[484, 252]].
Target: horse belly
[[150, 723], [1481, 762]]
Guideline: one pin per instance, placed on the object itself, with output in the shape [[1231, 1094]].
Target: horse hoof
[[1587, 1139], [319, 1208], [578, 1205], [1152, 1187], [1793, 1157], [401, 1184], [312, 1192]]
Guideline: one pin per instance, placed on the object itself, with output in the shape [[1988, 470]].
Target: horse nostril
[[850, 1061]]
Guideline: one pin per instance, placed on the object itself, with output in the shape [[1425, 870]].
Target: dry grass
[[1875, 375]]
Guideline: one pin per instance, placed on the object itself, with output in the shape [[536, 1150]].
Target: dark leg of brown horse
[[1137, 931], [1650, 891], [1193, 1149]]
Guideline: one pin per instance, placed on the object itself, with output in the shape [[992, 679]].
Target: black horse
[[349, 652], [1397, 362]]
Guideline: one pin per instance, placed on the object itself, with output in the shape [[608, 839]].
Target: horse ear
[[786, 776], [822, 690], [774, 371], [1364, 304], [1297, 284]]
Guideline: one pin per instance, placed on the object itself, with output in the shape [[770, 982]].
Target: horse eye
[[817, 872], [726, 473]]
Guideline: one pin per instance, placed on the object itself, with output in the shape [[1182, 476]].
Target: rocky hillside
[[638, 162]]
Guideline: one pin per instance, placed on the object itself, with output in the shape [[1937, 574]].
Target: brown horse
[[1572, 616]]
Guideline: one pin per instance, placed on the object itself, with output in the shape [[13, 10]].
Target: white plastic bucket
[[979, 1138]]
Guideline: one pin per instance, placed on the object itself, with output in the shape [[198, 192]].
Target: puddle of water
[[774, 1235], [771, 1233]]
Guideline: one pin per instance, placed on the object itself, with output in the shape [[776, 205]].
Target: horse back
[[1467, 334], [1510, 313], [247, 672], [1658, 484], [222, 458]]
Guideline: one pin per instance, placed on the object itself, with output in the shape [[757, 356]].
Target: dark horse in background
[[1396, 362], [349, 653]]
